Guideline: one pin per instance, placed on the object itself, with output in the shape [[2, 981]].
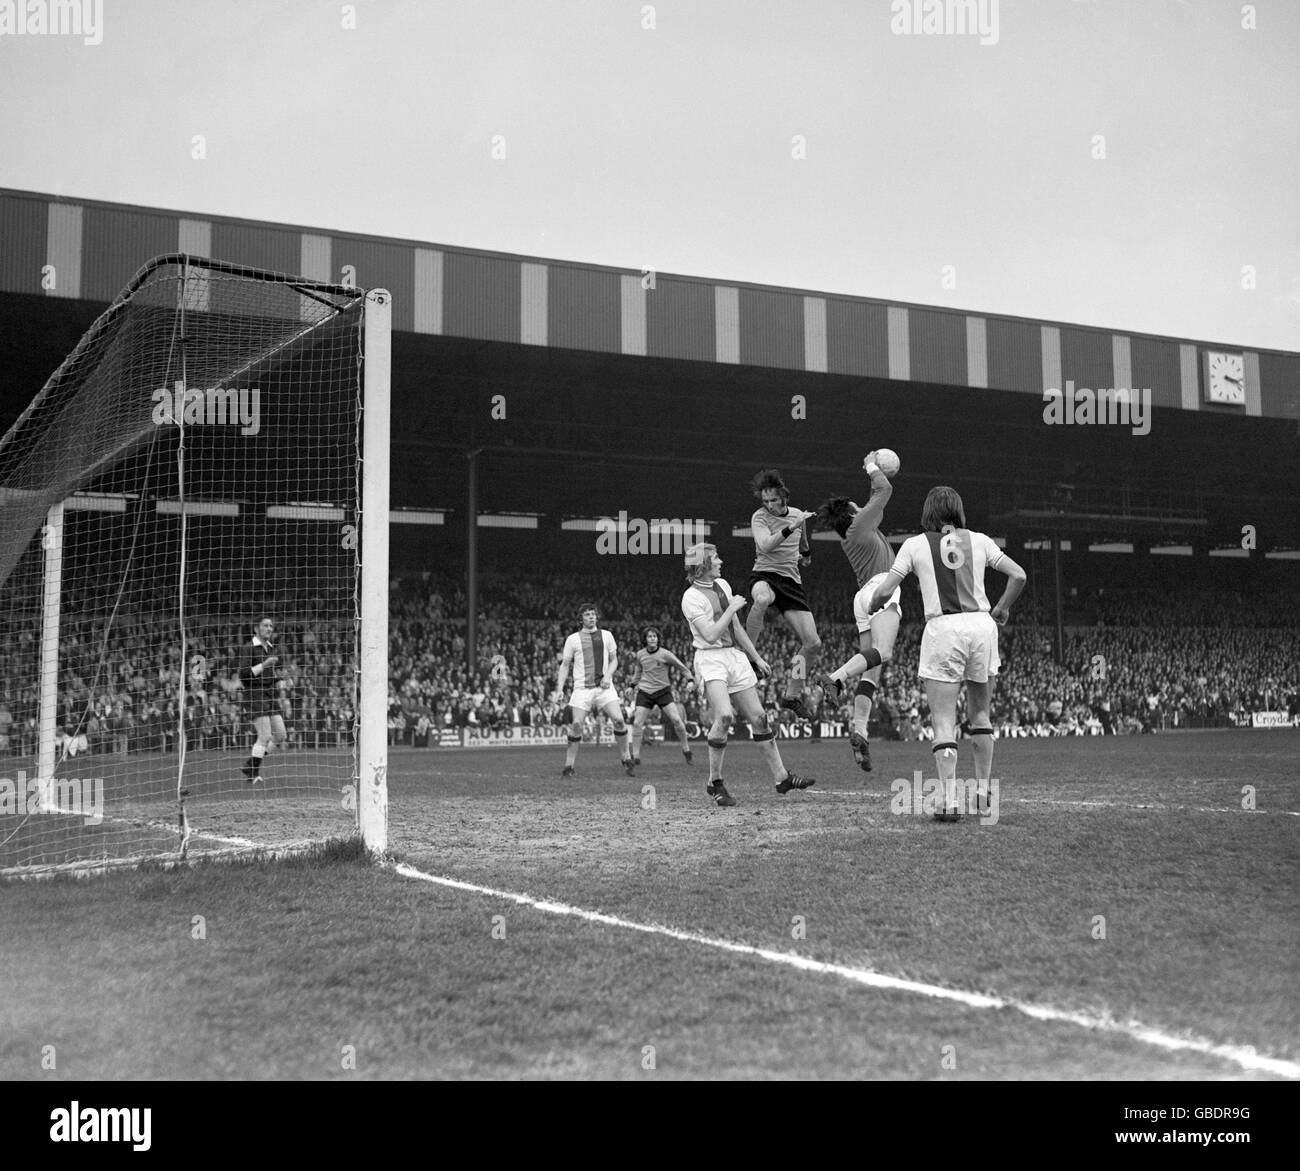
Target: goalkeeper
[[257, 673], [871, 558]]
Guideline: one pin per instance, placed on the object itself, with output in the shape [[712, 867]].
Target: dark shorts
[[255, 711], [661, 698], [789, 593]]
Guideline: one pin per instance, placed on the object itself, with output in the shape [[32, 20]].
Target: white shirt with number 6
[[949, 567]]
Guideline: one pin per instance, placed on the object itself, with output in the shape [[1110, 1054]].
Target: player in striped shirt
[[781, 548], [871, 557], [593, 655], [651, 685], [960, 643], [725, 659]]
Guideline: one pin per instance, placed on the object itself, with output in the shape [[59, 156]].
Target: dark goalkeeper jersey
[[868, 552], [261, 689]]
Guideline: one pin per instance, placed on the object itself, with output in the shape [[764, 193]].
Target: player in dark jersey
[[261, 698], [652, 689], [871, 558], [781, 548]]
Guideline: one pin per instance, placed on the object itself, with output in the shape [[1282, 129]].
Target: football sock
[[716, 750], [982, 741], [771, 757], [945, 759], [862, 698]]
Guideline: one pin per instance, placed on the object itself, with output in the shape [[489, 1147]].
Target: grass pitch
[[1124, 880]]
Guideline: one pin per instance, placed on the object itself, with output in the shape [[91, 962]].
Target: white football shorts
[[594, 699], [726, 663], [959, 647], [862, 599]]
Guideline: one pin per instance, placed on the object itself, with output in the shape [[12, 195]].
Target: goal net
[[192, 646]]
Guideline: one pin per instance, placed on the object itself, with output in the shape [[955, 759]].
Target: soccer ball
[[887, 461]]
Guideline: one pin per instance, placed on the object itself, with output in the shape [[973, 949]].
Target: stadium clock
[[1225, 378]]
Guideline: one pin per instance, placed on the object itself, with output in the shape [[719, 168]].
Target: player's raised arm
[[873, 512]]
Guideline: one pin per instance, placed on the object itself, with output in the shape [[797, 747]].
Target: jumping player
[[871, 557], [594, 656], [723, 672], [261, 702], [960, 643], [781, 545], [651, 684]]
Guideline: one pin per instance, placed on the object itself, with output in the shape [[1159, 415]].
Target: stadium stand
[[1137, 660]]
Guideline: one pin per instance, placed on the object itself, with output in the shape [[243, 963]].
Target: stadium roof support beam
[[1059, 647], [471, 565]]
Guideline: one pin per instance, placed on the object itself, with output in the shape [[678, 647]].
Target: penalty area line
[[1242, 1055]]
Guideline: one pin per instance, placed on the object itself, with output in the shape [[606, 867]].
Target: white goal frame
[[370, 777]]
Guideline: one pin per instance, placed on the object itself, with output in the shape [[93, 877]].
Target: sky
[[1128, 165]]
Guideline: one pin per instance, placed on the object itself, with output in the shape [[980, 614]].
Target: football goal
[[194, 577]]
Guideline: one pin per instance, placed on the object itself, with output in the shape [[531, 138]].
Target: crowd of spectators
[[121, 666], [1145, 661], [1135, 660]]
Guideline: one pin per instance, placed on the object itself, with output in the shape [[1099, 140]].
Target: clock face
[[1225, 377]]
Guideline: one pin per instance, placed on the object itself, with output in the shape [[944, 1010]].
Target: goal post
[[51, 608], [194, 576], [372, 733]]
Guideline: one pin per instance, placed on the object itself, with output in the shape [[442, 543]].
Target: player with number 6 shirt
[[960, 642]]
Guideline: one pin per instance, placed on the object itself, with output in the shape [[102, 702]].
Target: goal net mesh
[[191, 469]]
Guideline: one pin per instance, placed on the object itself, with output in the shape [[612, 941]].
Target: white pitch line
[[1156, 808], [1243, 1055], [823, 793]]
